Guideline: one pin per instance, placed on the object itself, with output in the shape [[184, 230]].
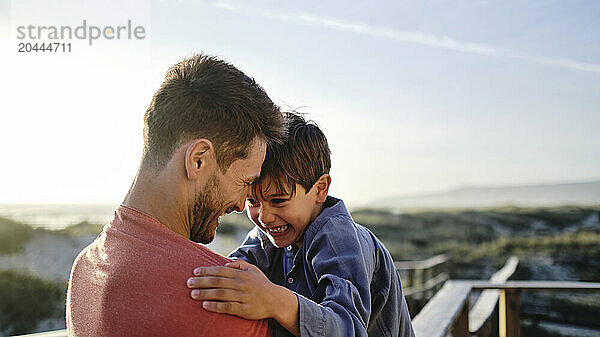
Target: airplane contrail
[[415, 37]]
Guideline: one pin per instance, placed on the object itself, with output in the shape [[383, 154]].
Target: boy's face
[[281, 217]]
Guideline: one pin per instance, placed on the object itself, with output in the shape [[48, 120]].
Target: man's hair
[[302, 158], [204, 97]]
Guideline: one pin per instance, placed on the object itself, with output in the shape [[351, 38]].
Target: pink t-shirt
[[131, 281]]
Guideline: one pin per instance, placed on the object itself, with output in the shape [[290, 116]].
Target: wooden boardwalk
[[448, 311]]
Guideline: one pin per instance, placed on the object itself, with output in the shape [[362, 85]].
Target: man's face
[[207, 210], [282, 217], [224, 193]]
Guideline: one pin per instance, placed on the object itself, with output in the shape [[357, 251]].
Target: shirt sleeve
[[343, 268], [253, 251]]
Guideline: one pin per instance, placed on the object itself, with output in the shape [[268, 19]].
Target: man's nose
[[240, 205], [266, 215]]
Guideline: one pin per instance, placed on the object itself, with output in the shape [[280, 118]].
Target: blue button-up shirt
[[344, 277]]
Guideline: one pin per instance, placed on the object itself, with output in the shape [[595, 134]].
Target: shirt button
[[289, 247], [290, 280]]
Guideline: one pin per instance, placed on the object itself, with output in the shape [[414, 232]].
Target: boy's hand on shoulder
[[239, 289]]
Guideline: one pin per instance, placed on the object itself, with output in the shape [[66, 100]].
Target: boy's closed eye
[[278, 201]]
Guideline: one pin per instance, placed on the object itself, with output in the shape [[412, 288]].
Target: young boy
[[327, 275]]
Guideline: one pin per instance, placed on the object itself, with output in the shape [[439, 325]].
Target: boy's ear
[[200, 159], [322, 187]]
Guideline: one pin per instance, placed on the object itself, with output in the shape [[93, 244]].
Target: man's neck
[[155, 195]]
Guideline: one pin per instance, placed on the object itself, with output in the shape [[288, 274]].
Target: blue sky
[[414, 97]]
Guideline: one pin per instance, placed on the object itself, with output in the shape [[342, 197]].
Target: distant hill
[[584, 193]]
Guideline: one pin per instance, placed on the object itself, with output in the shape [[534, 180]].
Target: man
[[205, 137]]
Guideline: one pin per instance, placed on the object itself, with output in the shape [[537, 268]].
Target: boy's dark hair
[[204, 97], [302, 158]]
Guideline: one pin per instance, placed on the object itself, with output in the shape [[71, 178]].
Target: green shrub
[[13, 236], [82, 228], [25, 300]]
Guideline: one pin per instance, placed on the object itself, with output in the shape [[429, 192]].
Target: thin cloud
[[432, 41], [225, 5]]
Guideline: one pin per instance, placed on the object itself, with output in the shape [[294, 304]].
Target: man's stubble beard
[[207, 208]]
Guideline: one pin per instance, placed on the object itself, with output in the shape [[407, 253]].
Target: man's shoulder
[[119, 272], [83, 256]]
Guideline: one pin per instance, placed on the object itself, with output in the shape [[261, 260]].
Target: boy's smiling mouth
[[278, 229]]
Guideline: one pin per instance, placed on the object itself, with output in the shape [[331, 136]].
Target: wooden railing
[[483, 316], [422, 279], [55, 333], [448, 311]]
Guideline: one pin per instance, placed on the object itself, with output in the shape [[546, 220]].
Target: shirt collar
[[331, 207]]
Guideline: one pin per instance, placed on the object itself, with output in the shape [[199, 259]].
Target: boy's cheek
[[253, 214]]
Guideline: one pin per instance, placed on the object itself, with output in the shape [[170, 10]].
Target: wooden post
[[419, 282], [426, 277], [411, 278], [509, 308], [460, 327]]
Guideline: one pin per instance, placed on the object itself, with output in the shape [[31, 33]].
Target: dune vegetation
[[25, 300], [13, 236]]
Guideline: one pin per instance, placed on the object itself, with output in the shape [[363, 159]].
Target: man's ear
[[322, 187], [199, 158]]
